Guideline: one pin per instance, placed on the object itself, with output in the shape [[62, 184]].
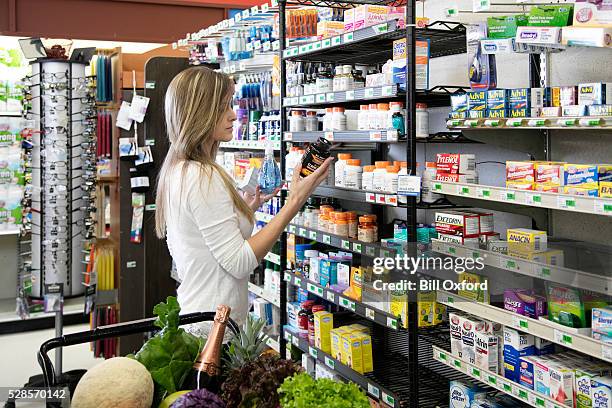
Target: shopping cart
[[105, 332]]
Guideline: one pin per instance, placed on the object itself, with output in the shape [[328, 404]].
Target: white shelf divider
[[260, 292]]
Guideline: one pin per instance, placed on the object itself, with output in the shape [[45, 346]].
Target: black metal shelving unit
[[403, 372]]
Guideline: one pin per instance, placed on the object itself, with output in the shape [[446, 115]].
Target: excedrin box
[[458, 239], [456, 223]]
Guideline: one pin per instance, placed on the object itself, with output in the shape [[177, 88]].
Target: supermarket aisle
[[18, 355]]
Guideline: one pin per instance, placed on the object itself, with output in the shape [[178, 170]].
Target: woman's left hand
[[255, 201]]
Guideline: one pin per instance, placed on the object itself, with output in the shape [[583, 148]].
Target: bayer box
[[486, 350], [516, 345]]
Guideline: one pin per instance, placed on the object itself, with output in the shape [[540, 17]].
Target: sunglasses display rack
[[63, 173]]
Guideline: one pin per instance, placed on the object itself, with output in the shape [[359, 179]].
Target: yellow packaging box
[[547, 188], [356, 282], [356, 327], [580, 175], [398, 305], [336, 342], [430, 312], [326, 29], [526, 240], [351, 352], [366, 353], [582, 190], [517, 185], [478, 295], [552, 257], [323, 325], [605, 189]]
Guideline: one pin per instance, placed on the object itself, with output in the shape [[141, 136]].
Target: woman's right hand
[[302, 187]]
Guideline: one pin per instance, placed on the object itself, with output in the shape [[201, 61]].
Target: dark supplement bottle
[[314, 156]]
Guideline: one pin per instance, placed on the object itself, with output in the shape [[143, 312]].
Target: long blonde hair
[[196, 99]]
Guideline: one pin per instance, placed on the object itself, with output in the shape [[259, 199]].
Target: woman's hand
[[302, 187], [255, 201]]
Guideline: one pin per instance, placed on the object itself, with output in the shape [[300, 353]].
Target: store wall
[[8, 270]]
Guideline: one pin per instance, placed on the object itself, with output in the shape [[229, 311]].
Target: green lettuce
[[170, 354], [302, 390]]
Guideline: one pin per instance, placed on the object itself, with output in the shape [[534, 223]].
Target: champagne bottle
[[207, 368]]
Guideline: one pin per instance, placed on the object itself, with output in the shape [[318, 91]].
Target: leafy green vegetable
[[170, 354], [302, 391], [255, 384]]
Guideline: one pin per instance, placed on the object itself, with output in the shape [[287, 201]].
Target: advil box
[[455, 163]]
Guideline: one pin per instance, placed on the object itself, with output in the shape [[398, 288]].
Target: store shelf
[[347, 136], [495, 380], [10, 114], [11, 231], [72, 306], [344, 243], [538, 123], [259, 216], [579, 279], [374, 44], [273, 344], [588, 205], [352, 194], [360, 309], [248, 144], [446, 137], [575, 339], [274, 258], [260, 292], [367, 382]]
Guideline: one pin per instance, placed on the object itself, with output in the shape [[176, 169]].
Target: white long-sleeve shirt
[[206, 236]]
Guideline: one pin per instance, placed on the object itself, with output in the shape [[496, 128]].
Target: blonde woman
[[207, 223]]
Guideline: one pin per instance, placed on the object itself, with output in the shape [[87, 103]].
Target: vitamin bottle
[[316, 154], [381, 117], [422, 120], [352, 224], [353, 174], [327, 119], [339, 119], [391, 179], [311, 324], [396, 118], [367, 179], [339, 168], [367, 229], [378, 179], [311, 123], [362, 118], [340, 224], [372, 115], [296, 122]]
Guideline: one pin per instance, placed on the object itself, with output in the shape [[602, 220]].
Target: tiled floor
[[18, 355]]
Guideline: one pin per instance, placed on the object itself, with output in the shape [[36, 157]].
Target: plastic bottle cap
[[368, 218], [341, 216], [311, 253], [394, 104], [430, 165], [329, 110], [353, 162], [397, 163], [373, 106], [338, 109], [352, 215], [368, 168], [297, 113], [344, 156], [311, 113], [421, 105], [393, 169], [318, 308], [381, 164], [383, 106], [363, 107]]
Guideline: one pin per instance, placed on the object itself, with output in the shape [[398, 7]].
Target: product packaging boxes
[[352, 354], [457, 223], [323, 324], [526, 372], [592, 14], [550, 15], [601, 321], [430, 312], [572, 307], [519, 102], [520, 172], [561, 383], [457, 178], [581, 175], [472, 242], [601, 392], [349, 19], [516, 345], [368, 15], [455, 163], [553, 257], [597, 93], [326, 29], [524, 302], [523, 240], [477, 104], [497, 245], [549, 173], [540, 35], [421, 62], [398, 304], [459, 106], [583, 378], [366, 352], [455, 320], [543, 347], [463, 394], [587, 36], [505, 26], [477, 295], [497, 103], [486, 350], [336, 342]]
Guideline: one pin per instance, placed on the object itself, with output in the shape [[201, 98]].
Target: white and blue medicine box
[[601, 321], [519, 102], [497, 103], [462, 394], [596, 93]]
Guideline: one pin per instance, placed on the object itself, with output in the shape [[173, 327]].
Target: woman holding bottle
[[207, 223]]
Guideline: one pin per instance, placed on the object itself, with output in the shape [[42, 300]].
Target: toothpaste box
[[581, 191], [486, 350], [458, 239], [519, 185], [498, 246], [497, 103], [519, 102], [455, 321], [524, 302], [549, 173], [601, 392], [455, 163], [516, 345], [582, 175], [599, 110], [561, 383], [520, 171], [526, 240], [459, 103], [605, 189], [601, 321], [368, 15], [543, 347], [470, 327], [349, 19], [463, 394], [568, 95], [526, 372], [456, 223], [596, 93], [456, 178]]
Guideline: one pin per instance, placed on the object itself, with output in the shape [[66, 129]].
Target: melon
[[118, 382]]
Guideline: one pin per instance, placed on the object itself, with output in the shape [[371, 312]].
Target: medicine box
[[329, 272], [580, 175], [519, 102], [498, 246], [368, 15], [352, 354], [456, 223], [561, 383], [326, 29], [505, 26], [486, 351], [597, 93], [471, 242], [550, 15], [459, 103], [581, 191], [462, 394], [601, 321], [582, 386], [457, 178], [519, 185], [421, 63], [366, 351], [604, 172], [349, 19], [336, 342], [524, 302], [574, 110], [520, 171], [356, 327], [485, 221], [470, 327], [543, 347], [477, 101], [568, 95], [605, 189], [541, 375], [549, 173], [455, 320], [323, 324], [526, 372], [456, 163], [526, 240], [592, 14], [516, 345], [477, 295], [497, 103]]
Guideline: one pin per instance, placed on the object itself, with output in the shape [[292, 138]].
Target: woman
[[207, 223]]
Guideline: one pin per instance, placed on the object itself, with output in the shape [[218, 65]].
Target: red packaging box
[[520, 171], [485, 221], [456, 223], [457, 239], [456, 178], [456, 163], [551, 174]]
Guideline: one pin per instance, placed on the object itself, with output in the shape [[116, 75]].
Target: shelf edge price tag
[[288, 136], [562, 338], [391, 135], [388, 399], [326, 239], [312, 235], [336, 40], [392, 322], [370, 251], [463, 190], [350, 95], [356, 247], [302, 232], [492, 379], [475, 372], [520, 323], [297, 281], [370, 314], [369, 92], [509, 196], [346, 245], [330, 363], [534, 199], [312, 288], [511, 264], [603, 207], [347, 38], [381, 28], [606, 352], [313, 352], [287, 277], [329, 136], [484, 193], [321, 98], [566, 202], [330, 296], [373, 391], [370, 197], [376, 136], [329, 97], [387, 90], [326, 43]]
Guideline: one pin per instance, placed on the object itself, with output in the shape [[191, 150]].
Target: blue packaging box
[[519, 102], [497, 103], [516, 345], [329, 273], [543, 347], [462, 394], [459, 103], [526, 378], [458, 115], [477, 100]]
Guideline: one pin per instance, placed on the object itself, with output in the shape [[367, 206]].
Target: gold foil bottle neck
[[209, 360]]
